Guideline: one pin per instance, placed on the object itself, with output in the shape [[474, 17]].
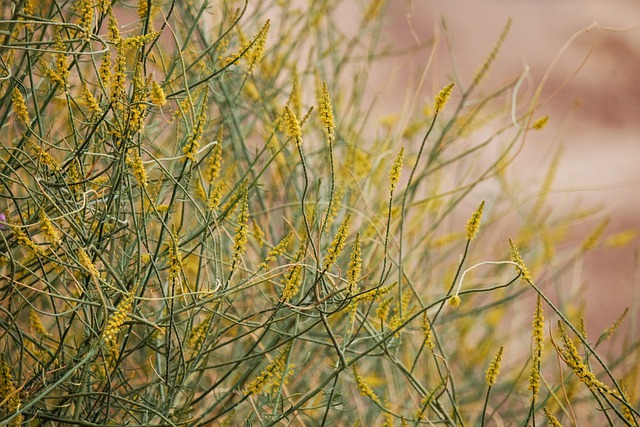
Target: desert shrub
[[199, 226]]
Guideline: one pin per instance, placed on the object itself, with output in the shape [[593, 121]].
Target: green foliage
[[198, 227]]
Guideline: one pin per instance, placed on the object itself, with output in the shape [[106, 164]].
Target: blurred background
[[590, 52]]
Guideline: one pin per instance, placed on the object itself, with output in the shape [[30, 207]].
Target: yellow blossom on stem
[[19, 106], [574, 361], [9, 395], [116, 320], [355, 267], [326, 111], [540, 123], [454, 301], [538, 336], [336, 247], [551, 419], [474, 222], [396, 169], [517, 258], [49, 230], [157, 95], [443, 97], [86, 262], [494, 369], [36, 324], [293, 125], [241, 237]]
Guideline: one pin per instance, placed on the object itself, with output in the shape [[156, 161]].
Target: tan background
[[595, 117]]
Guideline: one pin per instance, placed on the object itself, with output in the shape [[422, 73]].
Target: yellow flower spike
[[382, 312], [326, 111], [19, 106], [175, 259], [427, 332], [336, 247], [86, 262], [551, 419], [198, 334], [104, 72], [517, 258], [90, 101], [242, 231], [270, 378], [157, 95], [592, 240], [257, 51], [8, 393], [443, 97], [573, 360], [538, 336], [116, 320], [473, 225], [540, 123], [49, 230], [620, 239], [60, 72], [215, 161], [36, 324], [494, 369], [396, 169], [373, 10], [364, 388], [611, 330], [277, 250], [355, 267], [375, 293], [143, 9], [293, 125], [482, 72], [137, 168]]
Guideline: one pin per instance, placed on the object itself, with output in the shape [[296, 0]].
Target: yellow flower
[[517, 258], [257, 51], [36, 324], [396, 169], [474, 222], [293, 125], [551, 419], [574, 361], [355, 266], [86, 262], [19, 106], [49, 230], [454, 301], [326, 112], [276, 251], [538, 336], [157, 95], [540, 123], [90, 101], [240, 240], [336, 247], [9, 396], [364, 388], [443, 97], [494, 369], [116, 320]]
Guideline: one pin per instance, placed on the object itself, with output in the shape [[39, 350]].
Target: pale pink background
[[595, 117]]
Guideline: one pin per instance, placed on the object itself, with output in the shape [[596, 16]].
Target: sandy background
[[595, 117]]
